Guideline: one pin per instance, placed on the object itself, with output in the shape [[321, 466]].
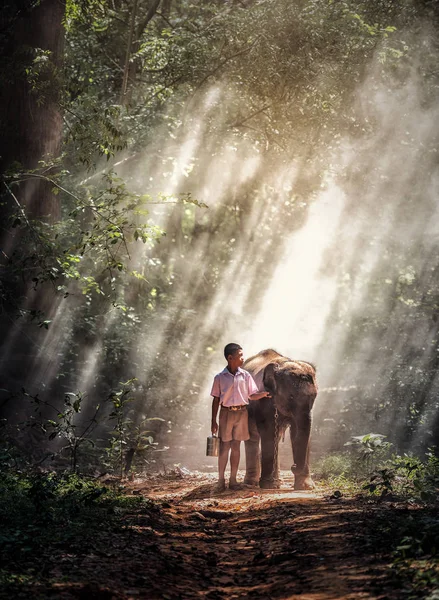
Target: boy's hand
[[260, 395], [214, 427]]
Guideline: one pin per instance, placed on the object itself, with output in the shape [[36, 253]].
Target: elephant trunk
[[300, 442]]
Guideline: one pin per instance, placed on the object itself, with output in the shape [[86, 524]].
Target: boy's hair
[[230, 349]]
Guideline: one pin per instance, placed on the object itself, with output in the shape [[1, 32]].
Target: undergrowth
[[47, 516], [405, 492]]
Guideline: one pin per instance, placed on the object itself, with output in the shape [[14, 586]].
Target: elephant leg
[[252, 454], [269, 464], [300, 434]]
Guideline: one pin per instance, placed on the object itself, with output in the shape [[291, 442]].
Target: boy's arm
[[260, 395], [215, 406]]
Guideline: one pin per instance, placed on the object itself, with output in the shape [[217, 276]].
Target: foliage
[[407, 476], [406, 534], [269, 57], [333, 464], [47, 514], [64, 438], [366, 453], [370, 465], [91, 245], [285, 80], [409, 527], [63, 425], [129, 440], [281, 77], [369, 450], [415, 561]]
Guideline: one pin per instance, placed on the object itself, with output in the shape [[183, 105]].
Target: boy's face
[[236, 359]]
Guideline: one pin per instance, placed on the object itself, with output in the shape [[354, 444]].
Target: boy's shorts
[[233, 425]]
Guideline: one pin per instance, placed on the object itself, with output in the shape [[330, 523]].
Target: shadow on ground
[[191, 542]]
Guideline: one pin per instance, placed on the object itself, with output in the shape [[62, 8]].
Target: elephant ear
[[270, 377]]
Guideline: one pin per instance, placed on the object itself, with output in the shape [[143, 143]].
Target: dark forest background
[[156, 157]]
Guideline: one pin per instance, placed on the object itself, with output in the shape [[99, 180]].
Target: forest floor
[[188, 541]]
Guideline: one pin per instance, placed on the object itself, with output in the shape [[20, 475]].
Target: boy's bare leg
[[222, 462], [234, 461]]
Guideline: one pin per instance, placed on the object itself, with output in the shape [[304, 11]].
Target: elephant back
[[257, 363], [304, 372]]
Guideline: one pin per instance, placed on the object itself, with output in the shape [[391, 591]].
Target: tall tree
[[31, 121], [32, 41]]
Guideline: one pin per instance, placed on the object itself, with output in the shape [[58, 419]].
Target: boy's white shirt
[[233, 390]]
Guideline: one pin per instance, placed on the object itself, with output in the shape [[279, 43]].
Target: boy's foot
[[220, 486]]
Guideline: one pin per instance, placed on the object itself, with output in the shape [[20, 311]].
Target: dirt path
[[193, 543]]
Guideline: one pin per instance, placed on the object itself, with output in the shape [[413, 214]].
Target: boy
[[232, 389]]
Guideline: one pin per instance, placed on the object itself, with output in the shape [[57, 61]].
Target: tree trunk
[[31, 121], [31, 42], [133, 46]]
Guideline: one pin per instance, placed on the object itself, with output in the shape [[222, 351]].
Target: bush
[[43, 514], [339, 463], [408, 477]]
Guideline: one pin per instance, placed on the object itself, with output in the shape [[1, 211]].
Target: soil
[[193, 542]]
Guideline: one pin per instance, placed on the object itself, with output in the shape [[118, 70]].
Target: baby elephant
[[293, 388]]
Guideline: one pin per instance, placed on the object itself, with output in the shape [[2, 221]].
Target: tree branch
[[149, 15], [166, 20], [257, 112], [222, 63]]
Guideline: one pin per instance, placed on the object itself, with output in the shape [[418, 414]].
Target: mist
[[325, 255], [341, 276], [177, 176]]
